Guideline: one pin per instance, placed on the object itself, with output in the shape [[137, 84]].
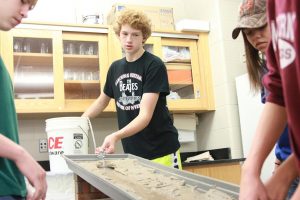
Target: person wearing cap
[[256, 34], [282, 104], [252, 23]]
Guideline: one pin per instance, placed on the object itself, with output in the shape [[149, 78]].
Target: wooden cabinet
[[58, 69], [227, 171], [35, 71], [84, 67], [55, 70], [188, 72]]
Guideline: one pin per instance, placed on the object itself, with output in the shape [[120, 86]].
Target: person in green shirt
[[15, 161]]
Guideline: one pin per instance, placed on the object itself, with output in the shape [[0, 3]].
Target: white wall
[[250, 108], [221, 128], [68, 11], [217, 129]]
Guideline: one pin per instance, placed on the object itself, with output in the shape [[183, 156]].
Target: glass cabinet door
[[65, 71], [84, 59], [33, 68], [148, 47], [31, 57], [181, 57], [81, 70], [179, 60]]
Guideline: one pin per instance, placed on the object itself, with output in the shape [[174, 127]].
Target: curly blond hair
[[31, 2], [136, 19]]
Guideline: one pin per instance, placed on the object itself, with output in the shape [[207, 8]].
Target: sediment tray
[[134, 178]]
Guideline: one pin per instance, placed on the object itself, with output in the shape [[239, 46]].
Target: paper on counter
[[200, 157]]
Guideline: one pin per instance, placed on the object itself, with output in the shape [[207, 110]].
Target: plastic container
[[66, 135]]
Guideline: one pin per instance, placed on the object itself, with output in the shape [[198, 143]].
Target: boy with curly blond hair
[[139, 84]]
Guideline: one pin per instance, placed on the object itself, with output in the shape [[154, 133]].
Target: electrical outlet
[[43, 145]]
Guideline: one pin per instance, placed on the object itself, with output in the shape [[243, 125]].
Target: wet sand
[[143, 182]]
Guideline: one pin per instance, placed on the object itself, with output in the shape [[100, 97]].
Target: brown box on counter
[[161, 17]]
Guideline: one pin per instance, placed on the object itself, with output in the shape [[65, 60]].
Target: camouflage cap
[[252, 14]]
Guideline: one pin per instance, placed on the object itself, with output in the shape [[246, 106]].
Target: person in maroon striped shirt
[[282, 106]]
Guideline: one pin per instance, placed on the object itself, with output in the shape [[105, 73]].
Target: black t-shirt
[[126, 83]]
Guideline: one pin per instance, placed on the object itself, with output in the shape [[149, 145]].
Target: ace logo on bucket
[[55, 145]]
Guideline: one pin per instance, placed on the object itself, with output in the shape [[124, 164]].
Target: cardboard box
[[161, 17]]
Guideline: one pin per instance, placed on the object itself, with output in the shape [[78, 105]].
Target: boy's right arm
[[97, 106]]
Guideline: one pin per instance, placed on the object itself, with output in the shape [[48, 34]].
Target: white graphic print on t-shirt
[[128, 84], [283, 36]]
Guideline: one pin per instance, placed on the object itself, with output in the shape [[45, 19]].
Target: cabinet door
[[84, 67], [188, 71], [30, 57], [153, 45], [181, 59]]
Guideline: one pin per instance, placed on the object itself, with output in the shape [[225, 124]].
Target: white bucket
[[66, 135]]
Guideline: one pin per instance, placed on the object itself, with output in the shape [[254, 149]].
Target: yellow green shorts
[[171, 160]]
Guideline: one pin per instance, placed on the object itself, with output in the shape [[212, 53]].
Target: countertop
[[207, 162], [220, 156]]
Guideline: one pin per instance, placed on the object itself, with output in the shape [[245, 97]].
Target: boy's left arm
[[147, 106]]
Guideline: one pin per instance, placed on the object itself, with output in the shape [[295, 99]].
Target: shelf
[[177, 66], [39, 95], [185, 83], [80, 56], [82, 83], [177, 86], [36, 59], [178, 61], [81, 60], [25, 54]]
